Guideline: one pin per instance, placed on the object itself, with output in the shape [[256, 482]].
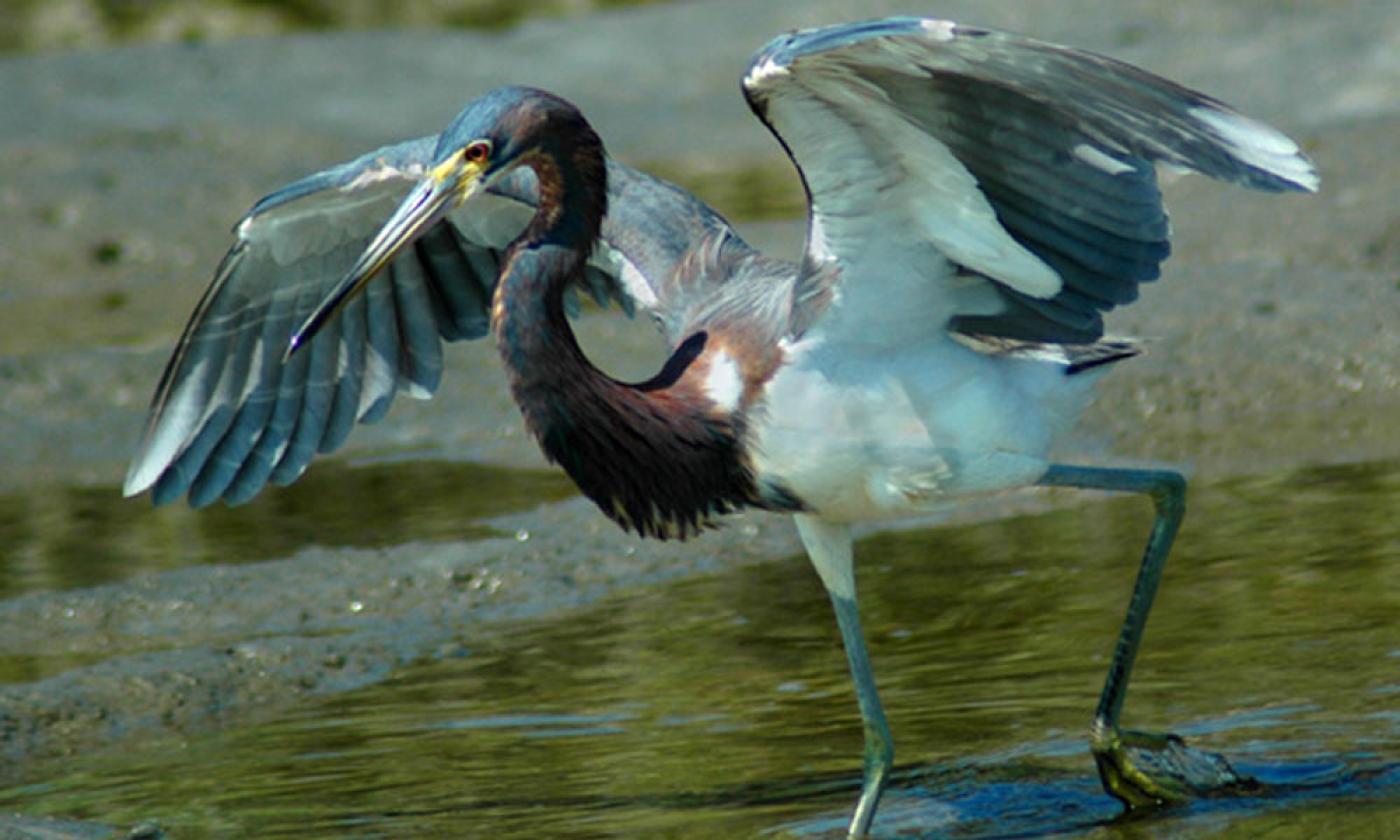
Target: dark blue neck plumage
[[658, 460]]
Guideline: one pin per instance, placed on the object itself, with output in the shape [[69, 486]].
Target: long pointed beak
[[423, 207]]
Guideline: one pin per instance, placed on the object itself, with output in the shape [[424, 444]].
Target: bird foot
[[1146, 769]]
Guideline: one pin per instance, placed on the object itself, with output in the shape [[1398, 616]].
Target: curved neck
[[527, 317], [658, 460]]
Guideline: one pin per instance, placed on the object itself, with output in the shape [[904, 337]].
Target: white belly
[[896, 431]]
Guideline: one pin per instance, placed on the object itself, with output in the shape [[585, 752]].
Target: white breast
[[860, 431]]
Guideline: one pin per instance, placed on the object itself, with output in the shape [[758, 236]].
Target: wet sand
[[1272, 339]]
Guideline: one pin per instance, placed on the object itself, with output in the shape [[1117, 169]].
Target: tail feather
[[1076, 358]]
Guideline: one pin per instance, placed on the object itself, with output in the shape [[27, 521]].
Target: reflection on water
[[55, 537], [719, 707]]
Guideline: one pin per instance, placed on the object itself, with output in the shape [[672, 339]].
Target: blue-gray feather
[[1062, 144], [222, 428], [409, 157]]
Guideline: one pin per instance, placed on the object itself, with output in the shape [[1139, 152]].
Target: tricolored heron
[[976, 200]]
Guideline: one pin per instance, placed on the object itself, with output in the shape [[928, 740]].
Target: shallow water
[[59, 537], [719, 706]]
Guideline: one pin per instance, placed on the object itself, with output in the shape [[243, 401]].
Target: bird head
[[489, 138]]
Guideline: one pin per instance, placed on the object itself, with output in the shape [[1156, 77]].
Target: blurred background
[[87, 24]]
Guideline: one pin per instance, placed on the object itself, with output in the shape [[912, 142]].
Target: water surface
[[56, 537], [719, 706]]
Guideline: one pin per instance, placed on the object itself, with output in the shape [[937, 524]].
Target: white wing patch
[[938, 30], [723, 384], [384, 172], [184, 412], [1261, 146], [1101, 160], [817, 244], [763, 72]]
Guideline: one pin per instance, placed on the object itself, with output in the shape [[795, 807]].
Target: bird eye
[[476, 152]]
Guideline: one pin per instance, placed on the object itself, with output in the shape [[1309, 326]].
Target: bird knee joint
[[1169, 492]]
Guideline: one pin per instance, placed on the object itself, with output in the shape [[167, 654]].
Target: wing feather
[[316, 391], [413, 307], [349, 376], [463, 278], [229, 416], [1025, 163], [273, 440], [382, 366]]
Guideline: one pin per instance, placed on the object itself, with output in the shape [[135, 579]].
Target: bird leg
[[1144, 769], [830, 548]]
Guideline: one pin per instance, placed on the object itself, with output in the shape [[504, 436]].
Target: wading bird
[[976, 200]]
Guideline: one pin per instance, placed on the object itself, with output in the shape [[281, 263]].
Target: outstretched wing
[[229, 415], [966, 155]]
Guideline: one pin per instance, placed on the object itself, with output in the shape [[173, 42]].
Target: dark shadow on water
[[61, 537], [720, 706]]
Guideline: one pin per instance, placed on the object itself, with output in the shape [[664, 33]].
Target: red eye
[[476, 152]]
